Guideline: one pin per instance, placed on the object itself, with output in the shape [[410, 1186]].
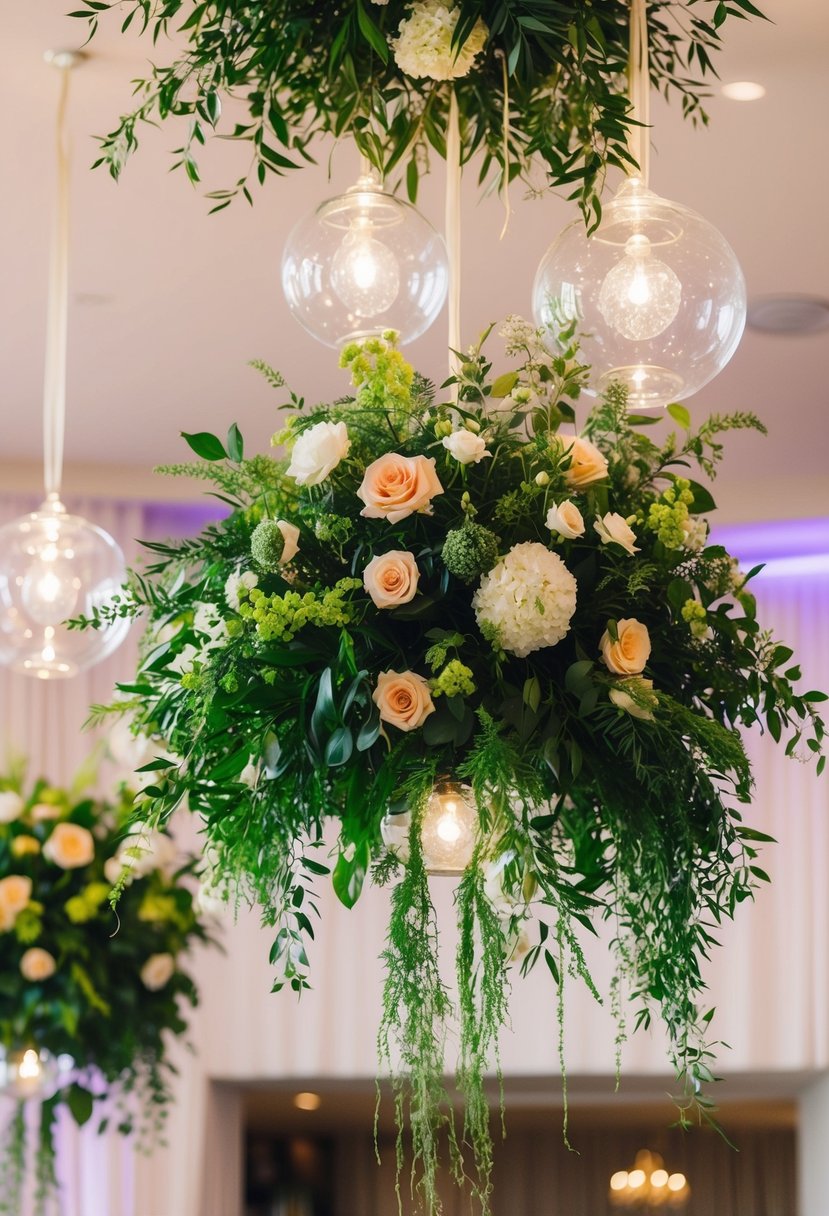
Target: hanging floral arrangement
[[479, 638], [533, 80], [87, 996]]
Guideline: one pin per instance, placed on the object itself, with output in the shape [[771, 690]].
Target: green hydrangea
[[83, 907], [333, 529], [278, 618], [470, 551], [158, 908], [454, 681], [668, 518], [28, 926], [267, 544], [379, 372], [695, 616]]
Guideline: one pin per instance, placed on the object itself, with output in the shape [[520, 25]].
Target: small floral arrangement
[[87, 995], [470, 600]]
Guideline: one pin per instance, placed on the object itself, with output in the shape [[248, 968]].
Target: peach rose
[[70, 846], [37, 965], [394, 486], [391, 578], [403, 699], [628, 655], [586, 461], [15, 893], [157, 971]]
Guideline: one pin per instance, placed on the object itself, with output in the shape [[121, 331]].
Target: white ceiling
[[169, 303]]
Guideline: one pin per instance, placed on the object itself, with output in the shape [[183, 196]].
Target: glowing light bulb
[[619, 1180], [449, 830], [29, 1066], [636, 1178], [640, 296], [659, 1178], [365, 273], [50, 590], [677, 1182]]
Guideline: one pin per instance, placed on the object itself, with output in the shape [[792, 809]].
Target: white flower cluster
[[528, 599], [520, 336], [423, 46]]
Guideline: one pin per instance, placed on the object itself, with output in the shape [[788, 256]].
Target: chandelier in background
[[53, 564], [648, 1186]]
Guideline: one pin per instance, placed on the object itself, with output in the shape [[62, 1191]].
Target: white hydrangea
[[527, 600], [696, 533], [423, 46]]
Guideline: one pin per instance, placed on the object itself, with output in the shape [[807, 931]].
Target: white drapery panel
[[770, 983]]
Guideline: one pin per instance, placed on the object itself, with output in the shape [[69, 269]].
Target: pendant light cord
[[453, 230], [54, 382], [639, 86]]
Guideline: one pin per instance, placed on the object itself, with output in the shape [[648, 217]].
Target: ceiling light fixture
[[53, 564], [789, 314], [307, 1101], [743, 90]]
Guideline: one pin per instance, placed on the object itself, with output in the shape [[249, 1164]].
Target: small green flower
[[470, 551], [454, 681]]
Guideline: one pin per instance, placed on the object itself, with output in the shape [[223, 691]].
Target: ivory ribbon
[[505, 135], [639, 84], [453, 230], [54, 380]]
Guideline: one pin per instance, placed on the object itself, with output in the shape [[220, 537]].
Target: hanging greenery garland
[[87, 996], [534, 79], [479, 608]]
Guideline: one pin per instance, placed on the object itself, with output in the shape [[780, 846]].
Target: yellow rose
[[586, 461], [157, 971], [403, 699], [628, 655], [391, 578], [70, 846], [37, 965], [394, 486], [21, 845], [15, 893]]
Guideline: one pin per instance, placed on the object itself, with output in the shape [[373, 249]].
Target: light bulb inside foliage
[[640, 296], [449, 829]]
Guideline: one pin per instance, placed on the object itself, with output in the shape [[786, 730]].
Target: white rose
[[234, 582], [642, 705], [614, 528], [317, 451], [566, 519], [112, 869], [70, 846], [11, 806], [157, 971], [143, 851], [696, 533], [37, 965], [391, 578], [465, 447], [290, 535]]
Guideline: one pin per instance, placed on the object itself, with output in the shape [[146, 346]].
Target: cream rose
[[391, 578], [15, 893], [586, 461], [628, 655], [394, 486], [290, 535], [70, 846], [157, 971], [566, 519], [403, 699], [45, 812], [21, 845], [11, 806], [645, 702], [466, 447], [317, 452], [614, 528], [37, 965]]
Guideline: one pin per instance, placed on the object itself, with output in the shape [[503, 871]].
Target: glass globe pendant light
[[656, 292], [448, 830], [362, 263], [28, 1073], [53, 564]]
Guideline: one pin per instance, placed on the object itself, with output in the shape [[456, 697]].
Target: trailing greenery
[[97, 991], [535, 80], [579, 656]]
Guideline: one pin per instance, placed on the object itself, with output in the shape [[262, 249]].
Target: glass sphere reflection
[[657, 294], [448, 833], [364, 262], [28, 1073], [52, 566]]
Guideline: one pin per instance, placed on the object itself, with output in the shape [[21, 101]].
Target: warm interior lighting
[[676, 1182], [743, 90], [29, 1069], [648, 1186], [619, 1180], [307, 1101]]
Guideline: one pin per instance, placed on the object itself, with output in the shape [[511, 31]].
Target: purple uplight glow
[[788, 548]]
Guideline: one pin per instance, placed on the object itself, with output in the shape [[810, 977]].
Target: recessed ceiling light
[[789, 314], [307, 1101], [743, 90]]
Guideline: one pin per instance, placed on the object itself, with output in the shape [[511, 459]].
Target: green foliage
[[549, 86], [599, 796]]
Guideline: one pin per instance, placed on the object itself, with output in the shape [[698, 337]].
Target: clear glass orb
[[365, 262], [28, 1073], [53, 566], [448, 832], [657, 294]]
